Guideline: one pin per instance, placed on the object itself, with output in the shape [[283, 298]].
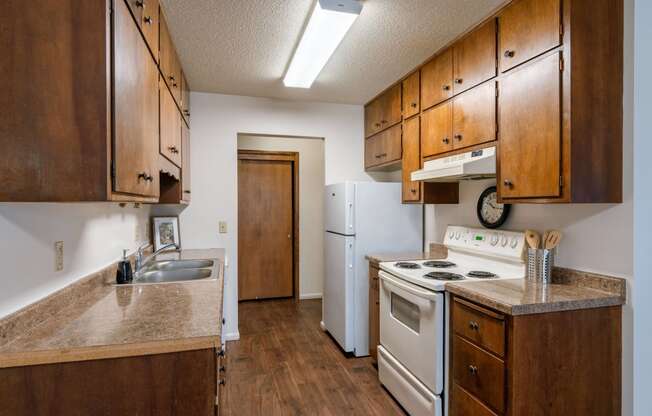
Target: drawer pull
[[148, 20], [381, 155], [458, 137], [414, 105], [509, 54], [377, 124], [473, 370], [445, 140], [508, 183], [446, 87], [474, 325], [458, 80]]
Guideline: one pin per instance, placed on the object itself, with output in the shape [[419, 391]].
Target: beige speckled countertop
[[108, 321], [437, 251]]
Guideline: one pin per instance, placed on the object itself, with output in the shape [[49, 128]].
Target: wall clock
[[490, 213]]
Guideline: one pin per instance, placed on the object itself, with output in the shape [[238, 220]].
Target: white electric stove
[[412, 356]]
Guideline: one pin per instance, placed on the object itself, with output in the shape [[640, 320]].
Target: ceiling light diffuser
[[328, 24]]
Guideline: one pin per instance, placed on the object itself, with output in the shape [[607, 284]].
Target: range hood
[[478, 164]]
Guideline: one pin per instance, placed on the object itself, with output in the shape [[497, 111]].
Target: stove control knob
[[503, 241], [514, 242], [494, 239], [451, 234], [457, 235]]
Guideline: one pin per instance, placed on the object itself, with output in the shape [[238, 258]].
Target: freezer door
[[338, 295], [340, 208]]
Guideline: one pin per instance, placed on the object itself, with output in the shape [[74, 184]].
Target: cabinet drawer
[[479, 373], [464, 404], [384, 147], [483, 327]]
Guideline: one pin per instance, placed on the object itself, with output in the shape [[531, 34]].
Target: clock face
[[491, 213]]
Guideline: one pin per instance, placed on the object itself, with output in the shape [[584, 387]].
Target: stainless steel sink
[[174, 275], [178, 264]]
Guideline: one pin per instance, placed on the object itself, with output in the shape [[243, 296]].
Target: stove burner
[[481, 274], [439, 264], [443, 276], [406, 265]]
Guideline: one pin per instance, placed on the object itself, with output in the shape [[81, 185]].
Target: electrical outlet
[[222, 227], [58, 256]]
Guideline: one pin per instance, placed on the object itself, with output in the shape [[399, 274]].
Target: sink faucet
[[140, 262]]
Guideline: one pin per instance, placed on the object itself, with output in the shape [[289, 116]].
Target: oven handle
[[431, 296]]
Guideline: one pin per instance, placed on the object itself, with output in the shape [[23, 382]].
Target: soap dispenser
[[124, 273]]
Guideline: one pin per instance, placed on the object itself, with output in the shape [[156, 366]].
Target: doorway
[[268, 230]]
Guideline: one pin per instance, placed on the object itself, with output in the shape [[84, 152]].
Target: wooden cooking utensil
[[552, 240], [533, 238], [544, 238]]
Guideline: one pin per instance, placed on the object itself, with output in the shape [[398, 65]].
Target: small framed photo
[[166, 231]]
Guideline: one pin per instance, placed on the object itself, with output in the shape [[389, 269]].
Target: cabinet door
[[530, 134], [135, 110], [384, 147], [411, 160], [170, 67], [170, 127], [185, 98], [474, 116], [436, 130], [370, 151], [411, 95], [437, 79], [371, 118], [185, 163], [149, 24], [390, 108], [474, 57], [527, 29]]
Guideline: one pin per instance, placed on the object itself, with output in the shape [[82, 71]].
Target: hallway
[[284, 364]]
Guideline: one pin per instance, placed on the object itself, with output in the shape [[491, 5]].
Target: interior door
[[474, 57], [135, 109], [474, 116], [411, 160], [265, 229], [530, 135]]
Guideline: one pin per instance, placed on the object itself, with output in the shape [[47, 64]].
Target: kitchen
[[236, 79]]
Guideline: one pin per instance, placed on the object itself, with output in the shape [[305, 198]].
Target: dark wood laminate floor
[[284, 364]]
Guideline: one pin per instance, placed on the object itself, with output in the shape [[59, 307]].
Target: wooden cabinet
[[491, 362], [384, 111], [474, 116], [170, 143], [185, 98], [146, 15], [437, 79], [411, 160], [384, 148], [185, 163], [168, 60], [374, 312], [528, 28], [474, 57], [437, 130], [411, 102]]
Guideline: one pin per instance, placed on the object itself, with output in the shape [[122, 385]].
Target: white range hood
[[478, 164]]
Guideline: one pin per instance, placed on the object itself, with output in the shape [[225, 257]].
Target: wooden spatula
[[552, 240], [533, 238]]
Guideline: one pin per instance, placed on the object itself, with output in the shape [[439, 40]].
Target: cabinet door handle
[[384, 121], [508, 183], [148, 20], [139, 3], [173, 149], [414, 191], [381, 155], [474, 325], [458, 80], [473, 370], [187, 191], [186, 112], [509, 54], [377, 124], [445, 140], [446, 87], [414, 105], [222, 382], [458, 137]]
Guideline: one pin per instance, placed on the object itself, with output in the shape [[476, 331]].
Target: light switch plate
[[222, 227], [58, 256]]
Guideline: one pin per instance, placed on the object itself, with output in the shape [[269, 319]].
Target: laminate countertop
[[97, 320], [437, 251]]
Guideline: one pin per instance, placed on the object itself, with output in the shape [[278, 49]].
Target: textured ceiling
[[243, 47]]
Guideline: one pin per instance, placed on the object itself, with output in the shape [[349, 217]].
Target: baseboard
[[305, 296], [232, 336]]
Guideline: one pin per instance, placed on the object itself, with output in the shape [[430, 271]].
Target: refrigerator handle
[[351, 216]]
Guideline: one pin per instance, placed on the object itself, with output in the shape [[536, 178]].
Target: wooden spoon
[[533, 238], [553, 239]]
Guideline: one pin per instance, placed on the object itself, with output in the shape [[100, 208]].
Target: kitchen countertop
[[437, 251], [110, 321]]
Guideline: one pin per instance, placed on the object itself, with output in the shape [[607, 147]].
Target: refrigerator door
[[340, 208], [339, 289]]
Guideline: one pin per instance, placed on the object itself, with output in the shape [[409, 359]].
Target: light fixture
[[328, 24]]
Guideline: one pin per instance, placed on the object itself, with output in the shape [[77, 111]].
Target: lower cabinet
[[557, 363], [374, 312], [178, 383]]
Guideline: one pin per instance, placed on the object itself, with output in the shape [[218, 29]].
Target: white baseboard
[[232, 336], [304, 296]]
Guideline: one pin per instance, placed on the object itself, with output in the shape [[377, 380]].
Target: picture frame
[[165, 230]]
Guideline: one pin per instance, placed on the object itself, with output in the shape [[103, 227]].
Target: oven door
[[412, 329]]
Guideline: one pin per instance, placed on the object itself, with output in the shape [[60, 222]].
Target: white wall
[[216, 121], [311, 204], [94, 235], [643, 210]]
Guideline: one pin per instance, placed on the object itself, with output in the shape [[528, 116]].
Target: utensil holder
[[539, 264]]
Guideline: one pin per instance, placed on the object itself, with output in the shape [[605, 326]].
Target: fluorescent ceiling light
[[328, 24]]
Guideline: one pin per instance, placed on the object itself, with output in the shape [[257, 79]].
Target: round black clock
[[490, 213]]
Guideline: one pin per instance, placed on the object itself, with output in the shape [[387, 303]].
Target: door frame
[[293, 157]]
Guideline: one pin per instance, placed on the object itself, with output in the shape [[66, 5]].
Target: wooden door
[[436, 130], [170, 66], [170, 144], [265, 229], [474, 116], [528, 28], [390, 107], [371, 119], [149, 24], [437, 79], [135, 109], [384, 147], [474, 57], [411, 95], [530, 134], [185, 163], [185, 98], [411, 160]]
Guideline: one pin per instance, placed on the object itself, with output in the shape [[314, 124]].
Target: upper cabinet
[[170, 133], [384, 111], [411, 102], [474, 57], [474, 116], [168, 60], [384, 149], [146, 15], [185, 98], [437, 79], [528, 28]]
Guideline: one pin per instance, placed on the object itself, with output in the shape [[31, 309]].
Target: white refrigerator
[[361, 218]]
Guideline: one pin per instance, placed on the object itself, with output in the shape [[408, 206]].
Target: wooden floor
[[284, 364]]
